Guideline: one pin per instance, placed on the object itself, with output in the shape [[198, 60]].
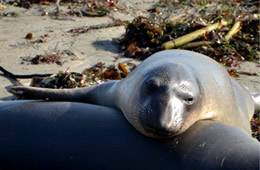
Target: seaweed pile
[[255, 126], [94, 75], [38, 59], [227, 32]]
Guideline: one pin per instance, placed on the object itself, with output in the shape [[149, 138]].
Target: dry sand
[[90, 47]]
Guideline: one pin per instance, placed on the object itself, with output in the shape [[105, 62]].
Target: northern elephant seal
[[70, 135], [167, 93]]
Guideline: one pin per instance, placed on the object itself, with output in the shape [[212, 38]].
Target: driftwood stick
[[236, 27], [85, 29], [197, 44], [10, 76], [193, 35], [243, 72], [177, 17], [16, 76]]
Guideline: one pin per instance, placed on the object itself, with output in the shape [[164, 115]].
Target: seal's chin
[[160, 126], [159, 129], [160, 133]]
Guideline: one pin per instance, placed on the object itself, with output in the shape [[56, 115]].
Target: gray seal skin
[[69, 135], [166, 94]]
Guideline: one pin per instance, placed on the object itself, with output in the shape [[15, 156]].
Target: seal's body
[[167, 93], [70, 135]]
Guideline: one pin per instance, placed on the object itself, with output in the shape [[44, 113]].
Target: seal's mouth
[[160, 123], [158, 129], [160, 133]]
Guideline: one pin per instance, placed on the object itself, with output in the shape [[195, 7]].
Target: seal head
[[162, 106]]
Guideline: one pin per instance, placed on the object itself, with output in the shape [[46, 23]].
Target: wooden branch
[[197, 44], [177, 17], [85, 29], [243, 72], [10, 76], [236, 27], [27, 76], [193, 35], [172, 19]]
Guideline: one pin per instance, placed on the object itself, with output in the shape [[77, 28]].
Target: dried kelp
[[50, 58], [94, 8], [59, 80], [228, 32], [38, 59], [255, 126], [96, 74]]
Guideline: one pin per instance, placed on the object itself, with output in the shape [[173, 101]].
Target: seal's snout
[[171, 118], [164, 115]]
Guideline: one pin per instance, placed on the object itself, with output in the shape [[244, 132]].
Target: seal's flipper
[[256, 98], [42, 93], [102, 94]]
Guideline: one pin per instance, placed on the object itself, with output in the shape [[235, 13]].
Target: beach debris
[[193, 35], [96, 74], [234, 73], [123, 68], [83, 12], [255, 126], [39, 59], [90, 8], [68, 53], [116, 72], [42, 39], [58, 81], [101, 73], [29, 36], [10, 76], [94, 8], [85, 29], [44, 13], [8, 14], [236, 27], [18, 76], [225, 31], [50, 58]]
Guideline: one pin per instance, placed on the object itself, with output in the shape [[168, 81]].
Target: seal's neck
[[104, 94]]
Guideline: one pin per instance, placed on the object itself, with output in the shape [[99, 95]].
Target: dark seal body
[[68, 135]]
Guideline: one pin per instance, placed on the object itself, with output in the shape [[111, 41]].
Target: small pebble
[[29, 36]]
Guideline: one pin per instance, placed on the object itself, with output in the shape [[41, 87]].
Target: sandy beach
[[88, 48]]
